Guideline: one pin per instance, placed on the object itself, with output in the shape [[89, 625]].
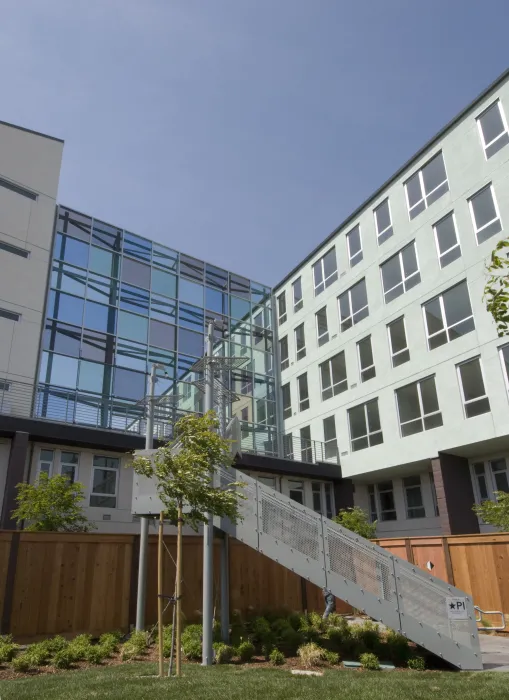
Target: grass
[[134, 681]]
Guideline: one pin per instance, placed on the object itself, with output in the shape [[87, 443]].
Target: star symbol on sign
[[452, 606]]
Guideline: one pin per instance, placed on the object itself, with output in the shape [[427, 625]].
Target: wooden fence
[[68, 584]]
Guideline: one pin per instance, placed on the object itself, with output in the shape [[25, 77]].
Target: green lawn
[[133, 682]]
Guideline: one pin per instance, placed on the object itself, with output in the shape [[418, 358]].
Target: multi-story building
[[373, 374]]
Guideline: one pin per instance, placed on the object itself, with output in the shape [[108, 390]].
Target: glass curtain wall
[[118, 302]]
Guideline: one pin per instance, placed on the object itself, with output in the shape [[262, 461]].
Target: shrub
[[79, 645], [397, 647], [167, 632], [56, 644], [267, 649], [246, 652], [262, 632], [295, 620], [417, 663], [311, 654], [192, 641], [62, 659], [308, 632], [223, 653], [109, 643], [7, 652], [356, 520], [317, 621], [276, 657], [367, 636], [95, 654], [289, 641], [38, 654], [340, 637], [370, 662], [6, 639], [331, 657], [21, 663], [127, 652], [139, 641]]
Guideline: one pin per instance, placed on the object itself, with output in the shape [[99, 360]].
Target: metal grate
[[295, 528]]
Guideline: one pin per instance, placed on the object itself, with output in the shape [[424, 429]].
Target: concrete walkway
[[495, 652]]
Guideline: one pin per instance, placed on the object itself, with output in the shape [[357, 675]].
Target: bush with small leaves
[[192, 642], [262, 632], [95, 654], [245, 652], [139, 641], [79, 645], [366, 637], [21, 663], [62, 659], [317, 621], [339, 637], [127, 652], [417, 663], [7, 652], [223, 653], [109, 643], [370, 662], [311, 655], [397, 647], [267, 649], [38, 654], [295, 619], [167, 632], [6, 639], [56, 644], [276, 657], [331, 657]]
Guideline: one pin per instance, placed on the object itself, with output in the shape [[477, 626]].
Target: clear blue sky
[[241, 131]]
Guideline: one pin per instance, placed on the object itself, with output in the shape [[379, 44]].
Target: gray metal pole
[[208, 528], [142, 561], [225, 589]]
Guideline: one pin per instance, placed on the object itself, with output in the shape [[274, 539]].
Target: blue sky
[[241, 131]]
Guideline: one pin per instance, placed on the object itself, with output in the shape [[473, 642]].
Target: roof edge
[[31, 131], [501, 78]]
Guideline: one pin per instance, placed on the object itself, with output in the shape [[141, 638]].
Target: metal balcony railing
[[72, 407]]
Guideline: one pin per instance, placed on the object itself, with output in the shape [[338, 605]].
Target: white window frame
[[398, 352], [324, 337], [297, 303], [285, 362], [325, 281], [485, 145], [477, 398], [303, 402], [356, 257], [117, 479], [502, 362], [306, 453], [269, 481], [408, 508], [498, 218], [368, 433], [380, 234], [70, 464], [421, 407], [330, 441], [352, 315], [453, 247], [364, 370], [404, 279], [282, 317], [446, 327], [394, 510], [323, 488], [425, 195], [333, 385], [289, 407], [300, 353], [40, 461]]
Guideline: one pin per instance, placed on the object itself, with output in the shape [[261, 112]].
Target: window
[[373, 510], [365, 428], [283, 353], [366, 362], [353, 305], [306, 446], [281, 308], [287, 401], [504, 358], [296, 491], [418, 407], [426, 186], [302, 383], [475, 399], [413, 497], [10, 315], [446, 239], [493, 129], [383, 222], [135, 273], [129, 384], [333, 376], [400, 273], [14, 249], [329, 438], [103, 493], [244, 414], [386, 499], [46, 458], [325, 271], [499, 473], [322, 498], [485, 214], [69, 465], [398, 342], [300, 342], [482, 485], [322, 329], [297, 295], [489, 477], [448, 316], [354, 242], [436, 510], [192, 268]]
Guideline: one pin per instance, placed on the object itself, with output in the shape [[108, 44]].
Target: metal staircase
[[429, 612]]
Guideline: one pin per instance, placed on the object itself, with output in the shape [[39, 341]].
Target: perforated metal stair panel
[[246, 530]]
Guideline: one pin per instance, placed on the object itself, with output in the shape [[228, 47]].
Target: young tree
[[496, 290], [495, 512], [356, 520], [184, 469], [51, 505]]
